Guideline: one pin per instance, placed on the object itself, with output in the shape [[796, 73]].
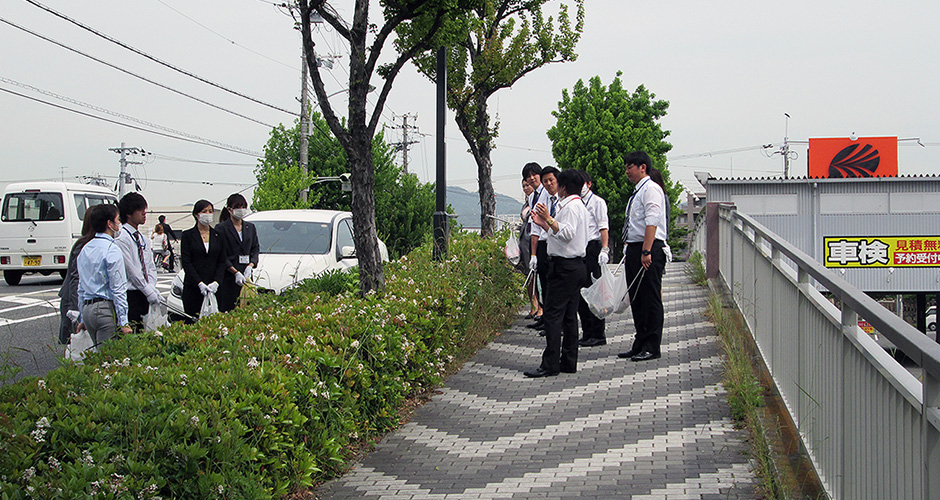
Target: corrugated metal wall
[[804, 211]]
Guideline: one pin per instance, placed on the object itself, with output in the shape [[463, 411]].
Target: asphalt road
[[29, 325]]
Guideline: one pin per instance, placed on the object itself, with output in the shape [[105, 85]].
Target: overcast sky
[[730, 70]]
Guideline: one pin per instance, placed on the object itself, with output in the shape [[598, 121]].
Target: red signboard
[[841, 158]]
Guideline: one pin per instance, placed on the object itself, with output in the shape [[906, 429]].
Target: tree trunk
[[480, 138], [371, 270]]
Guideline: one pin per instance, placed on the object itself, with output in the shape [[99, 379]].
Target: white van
[[40, 222]]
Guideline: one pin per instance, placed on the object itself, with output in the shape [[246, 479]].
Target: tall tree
[[366, 42], [404, 206], [492, 46], [597, 126]]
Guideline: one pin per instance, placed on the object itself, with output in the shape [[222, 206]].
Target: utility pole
[[405, 144], [304, 125], [125, 178]]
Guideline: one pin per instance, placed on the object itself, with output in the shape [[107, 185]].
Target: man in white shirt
[[597, 255], [138, 261], [566, 241], [539, 260], [645, 238]]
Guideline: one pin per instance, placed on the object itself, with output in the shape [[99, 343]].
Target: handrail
[[914, 344]]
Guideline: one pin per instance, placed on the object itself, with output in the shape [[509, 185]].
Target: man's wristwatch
[[646, 252]]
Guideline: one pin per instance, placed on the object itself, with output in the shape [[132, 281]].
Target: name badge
[[243, 259]]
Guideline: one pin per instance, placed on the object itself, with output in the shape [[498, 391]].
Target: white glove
[[72, 315], [604, 257], [203, 288], [213, 287], [248, 273], [153, 296], [240, 278], [533, 262]]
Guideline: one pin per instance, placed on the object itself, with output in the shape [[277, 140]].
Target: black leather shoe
[[592, 342], [645, 356], [569, 371], [539, 373], [528, 316], [538, 324], [628, 354], [541, 332]]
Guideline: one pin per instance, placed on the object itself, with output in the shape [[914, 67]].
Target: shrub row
[[257, 403]]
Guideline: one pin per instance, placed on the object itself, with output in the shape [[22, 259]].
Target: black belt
[[95, 300], [552, 257]]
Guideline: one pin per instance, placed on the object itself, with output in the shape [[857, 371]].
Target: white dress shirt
[[133, 266], [597, 211], [571, 239], [546, 199], [646, 209]]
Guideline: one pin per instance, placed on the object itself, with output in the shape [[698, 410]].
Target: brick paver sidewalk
[[616, 429]]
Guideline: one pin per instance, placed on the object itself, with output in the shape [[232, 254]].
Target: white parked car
[[932, 319], [295, 245]]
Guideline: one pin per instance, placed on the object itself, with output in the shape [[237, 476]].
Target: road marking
[[27, 306], [5, 322]]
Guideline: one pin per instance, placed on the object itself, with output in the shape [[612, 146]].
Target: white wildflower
[[194, 420], [260, 337], [355, 344], [29, 474], [253, 362]]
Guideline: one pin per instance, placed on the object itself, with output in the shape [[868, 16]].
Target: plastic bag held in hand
[[605, 296]]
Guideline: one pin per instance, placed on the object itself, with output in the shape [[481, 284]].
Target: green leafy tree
[[597, 126], [404, 206], [492, 46], [366, 40]]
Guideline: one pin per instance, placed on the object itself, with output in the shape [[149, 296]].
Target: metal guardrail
[[871, 429]]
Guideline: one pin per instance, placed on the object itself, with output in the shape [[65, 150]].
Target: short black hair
[[571, 180], [130, 203], [103, 214], [530, 169], [586, 176], [550, 170], [161, 218], [200, 206], [638, 158]]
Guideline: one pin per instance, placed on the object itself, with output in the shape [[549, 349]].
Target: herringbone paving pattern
[[617, 429]]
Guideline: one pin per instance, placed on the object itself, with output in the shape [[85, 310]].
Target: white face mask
[[239, 213], [117, 232], [205, 219], [585, 190]]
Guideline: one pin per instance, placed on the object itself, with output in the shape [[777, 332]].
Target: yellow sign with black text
[[880, 251]]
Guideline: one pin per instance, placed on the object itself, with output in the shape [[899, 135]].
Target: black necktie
[[140, 253], [554, 203]]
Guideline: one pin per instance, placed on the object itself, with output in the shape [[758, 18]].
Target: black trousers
[[229, 292], [591, 325], [137, 307], [647, 294], [541, 270], [565, 279]]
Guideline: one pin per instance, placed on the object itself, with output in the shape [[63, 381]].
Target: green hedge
[[260, 402]]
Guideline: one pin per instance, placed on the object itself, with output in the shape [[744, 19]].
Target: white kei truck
[[39, 223]]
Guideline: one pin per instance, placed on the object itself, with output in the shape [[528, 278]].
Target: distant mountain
[[467, 205]]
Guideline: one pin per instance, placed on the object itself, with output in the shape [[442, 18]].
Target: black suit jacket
[[235, 246], [199, 265]]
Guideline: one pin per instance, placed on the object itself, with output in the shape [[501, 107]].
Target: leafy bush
[[257, 403]]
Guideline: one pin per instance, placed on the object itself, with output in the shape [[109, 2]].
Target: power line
[[156, 60], [721, 152], [125, 117], [124, 124], [220, 35], [202, 162], [93, 58]]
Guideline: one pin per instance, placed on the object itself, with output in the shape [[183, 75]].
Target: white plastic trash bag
[[155, 317], [210, 305], [512, 250], [634, 286], [79, 344], [606, 295]]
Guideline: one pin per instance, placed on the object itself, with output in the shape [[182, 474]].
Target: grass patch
[[695, 269]]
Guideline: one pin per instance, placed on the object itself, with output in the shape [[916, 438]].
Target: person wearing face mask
[[202, 253], [598, 254], [102, 283], [241, 247]]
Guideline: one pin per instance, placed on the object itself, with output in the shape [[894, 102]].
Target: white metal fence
[[861, 416]]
